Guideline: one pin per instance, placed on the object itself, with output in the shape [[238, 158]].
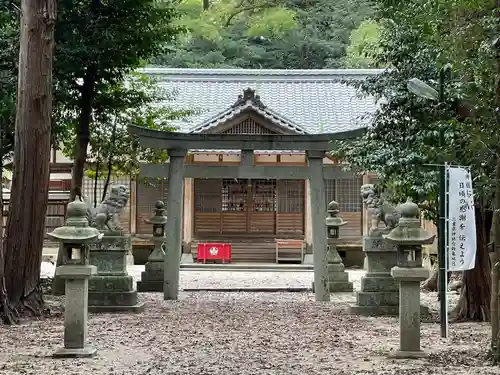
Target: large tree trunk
[[474, 302], [6, 313], [83, 132], [81, 145], [495, 297], [29, 194], [431, 284]]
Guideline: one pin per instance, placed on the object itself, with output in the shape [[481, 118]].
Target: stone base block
[[150, 286], [340, 286], [187, 259], [113, 298], [85, 352], [335, 268], [379, 310], [403, 354], [377, 299], [337, 286], [308, 259], [152, 276], [137, 308], [379, 284], [106, 284], [374, 310]]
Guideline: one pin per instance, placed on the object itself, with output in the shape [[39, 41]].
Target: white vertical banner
[[461, 220]]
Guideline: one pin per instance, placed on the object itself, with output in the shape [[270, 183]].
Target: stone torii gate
[[178, 144]]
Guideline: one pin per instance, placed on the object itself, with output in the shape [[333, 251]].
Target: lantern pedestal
[[112, 289], [75, 310], [338, 278], [153, 275], [409, 310], [379, 294]]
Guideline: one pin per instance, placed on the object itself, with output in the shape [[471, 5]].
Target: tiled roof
[[249, 101], [307, 101]]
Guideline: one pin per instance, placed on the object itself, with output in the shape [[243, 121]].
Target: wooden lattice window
[[248, 126], [330, 190], [208, 195], [264, 195], [291, 196], [346, 192], [234, 195]]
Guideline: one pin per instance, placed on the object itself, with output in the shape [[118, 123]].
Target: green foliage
[[291, 34], [98, 44], [101, 42], [272, 23], [8, 77], [403, 143], [112, 147], [364, 46]]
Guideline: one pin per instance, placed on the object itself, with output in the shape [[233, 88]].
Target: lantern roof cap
[[334, 220], [76, 228], [409, 230], [159, 217]]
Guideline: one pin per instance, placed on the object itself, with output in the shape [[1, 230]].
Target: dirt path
[[239, 334]]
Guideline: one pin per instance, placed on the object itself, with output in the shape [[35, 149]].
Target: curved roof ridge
[[258, 74]]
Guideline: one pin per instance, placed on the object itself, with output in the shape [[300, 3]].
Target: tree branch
[[245, 9]]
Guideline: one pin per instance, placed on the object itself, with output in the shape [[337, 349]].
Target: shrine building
[[252, 213]]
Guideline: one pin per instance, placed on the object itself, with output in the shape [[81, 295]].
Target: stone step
[[248, 267]]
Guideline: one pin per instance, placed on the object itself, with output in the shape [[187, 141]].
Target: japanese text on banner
[[461, 221]]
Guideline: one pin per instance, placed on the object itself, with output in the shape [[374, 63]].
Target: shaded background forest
[[288, 34]]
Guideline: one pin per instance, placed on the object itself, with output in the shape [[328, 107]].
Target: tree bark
[[475, 296], [431, 284], [83, 133], [6, 314], [30, 185], [109, 164], [495, 297]]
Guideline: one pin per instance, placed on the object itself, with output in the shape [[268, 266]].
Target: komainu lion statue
[[378, 209], [107, 214]]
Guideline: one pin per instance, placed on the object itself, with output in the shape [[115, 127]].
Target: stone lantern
[[409, 238], [338, 278], [75, 237], [333, 222], [152, 278]]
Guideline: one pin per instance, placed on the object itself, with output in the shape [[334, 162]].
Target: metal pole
[[442, 243], [442, 224]]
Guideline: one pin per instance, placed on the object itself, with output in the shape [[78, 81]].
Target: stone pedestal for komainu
[[112, 289], [379, 293]]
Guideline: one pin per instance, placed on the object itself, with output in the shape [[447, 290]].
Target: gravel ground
[[243, 333]]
